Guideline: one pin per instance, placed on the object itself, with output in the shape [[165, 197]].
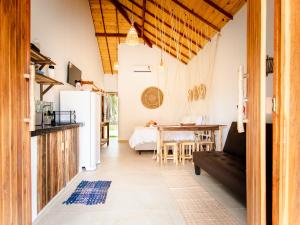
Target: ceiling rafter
[[136, 26], [119, 35], [172, 54], [216, 7], [163, 22], [179, 45], [144, 12], [196, 15], [117, 21], [180, 20], [104, 27], [163, 42], [158, 29], [147, 31]]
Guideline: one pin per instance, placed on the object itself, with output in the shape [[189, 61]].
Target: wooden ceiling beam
[[144, 12], [158, 29], [163, 22], [118, 5], [218, 8], [147, 31], [172, 54], [181, 5], [179, 19], [110, 35], [163, 42], [117, 20], [101, 11]]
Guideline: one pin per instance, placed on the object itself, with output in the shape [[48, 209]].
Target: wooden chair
[[204, 141], [186, 150], [170, 151]]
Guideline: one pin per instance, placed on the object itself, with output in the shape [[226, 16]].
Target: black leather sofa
[[229, 166]]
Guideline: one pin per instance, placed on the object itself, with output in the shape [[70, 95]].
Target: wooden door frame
[[15, 161], [256, 135], [286, 119]]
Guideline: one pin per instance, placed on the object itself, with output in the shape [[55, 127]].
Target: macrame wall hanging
[[197, 93], [197, 86]]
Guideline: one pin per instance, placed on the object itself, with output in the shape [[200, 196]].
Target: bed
[[145, 138]]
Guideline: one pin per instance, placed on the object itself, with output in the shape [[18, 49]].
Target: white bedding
[[143, 135]]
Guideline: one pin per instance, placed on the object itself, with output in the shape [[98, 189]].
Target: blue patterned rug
[[89, 193]]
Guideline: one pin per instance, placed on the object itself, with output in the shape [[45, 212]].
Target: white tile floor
[[140, 193]]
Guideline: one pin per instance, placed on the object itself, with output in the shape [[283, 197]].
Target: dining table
[[214, 128]]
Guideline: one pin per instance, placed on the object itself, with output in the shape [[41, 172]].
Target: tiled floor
[[143, 193]]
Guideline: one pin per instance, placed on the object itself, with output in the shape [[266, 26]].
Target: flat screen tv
[[74, 74]]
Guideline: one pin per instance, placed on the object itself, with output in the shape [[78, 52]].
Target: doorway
[[113, 108], [109, 117]]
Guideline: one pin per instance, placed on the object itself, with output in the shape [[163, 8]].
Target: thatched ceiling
[[180, 27]]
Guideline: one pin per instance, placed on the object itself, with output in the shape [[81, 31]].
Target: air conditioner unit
[[142, 69]]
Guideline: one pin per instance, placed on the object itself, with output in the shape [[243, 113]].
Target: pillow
[[151, 123]]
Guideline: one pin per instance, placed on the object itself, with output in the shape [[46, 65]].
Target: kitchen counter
[[40, 130], [54, 161]]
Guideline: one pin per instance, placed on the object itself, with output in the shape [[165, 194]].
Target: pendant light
[[132, 37]]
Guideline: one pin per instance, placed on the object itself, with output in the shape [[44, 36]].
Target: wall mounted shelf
[[44, 80], [38, 58]]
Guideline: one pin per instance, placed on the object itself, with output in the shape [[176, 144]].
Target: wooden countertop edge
[[49, 129]]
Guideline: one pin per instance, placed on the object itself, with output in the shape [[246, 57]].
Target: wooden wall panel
[[286, 119], [15, 179], [256, 162], [57, 163]]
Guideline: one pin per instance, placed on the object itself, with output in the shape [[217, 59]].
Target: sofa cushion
[[236, 142], [229, 169]]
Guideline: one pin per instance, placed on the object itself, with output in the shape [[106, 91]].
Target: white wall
[[110, 83], [220, 77], [220, 74], [65, 31], [220, 104], [131, 85]]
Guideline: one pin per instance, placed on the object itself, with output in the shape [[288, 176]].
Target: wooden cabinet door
[[15, 174], [57, 163], [67, 136], [61, 181], [73, 152], [51, 177]]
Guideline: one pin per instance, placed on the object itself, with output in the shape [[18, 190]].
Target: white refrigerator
[[87, 105]]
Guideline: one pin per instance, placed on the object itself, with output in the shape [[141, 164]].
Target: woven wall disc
[[152, 98]]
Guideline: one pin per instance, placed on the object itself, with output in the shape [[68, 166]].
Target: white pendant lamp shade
[[132, 38]]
